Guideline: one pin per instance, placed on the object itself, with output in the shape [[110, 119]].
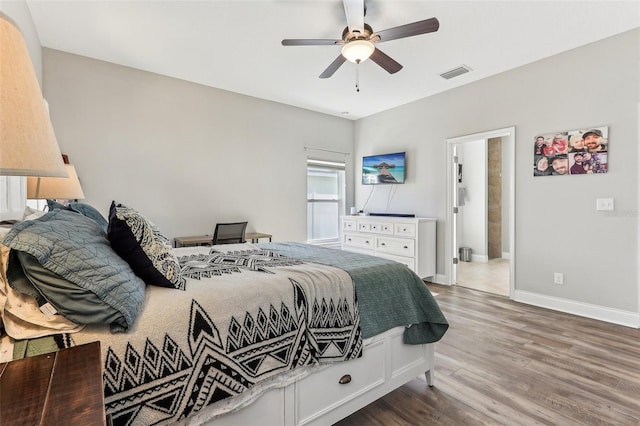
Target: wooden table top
[[59, 388], [204, 239]]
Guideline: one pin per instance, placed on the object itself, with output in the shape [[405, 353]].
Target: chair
[[229, 233]]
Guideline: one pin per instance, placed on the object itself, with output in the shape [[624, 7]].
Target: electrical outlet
[[604, 204], [558, 278]]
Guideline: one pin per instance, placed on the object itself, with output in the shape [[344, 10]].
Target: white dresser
[[411, 241]]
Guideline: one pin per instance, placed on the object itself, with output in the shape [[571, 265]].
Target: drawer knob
[[367, 242], [345, 379], [382, 244], [349, 239], [406, 247]]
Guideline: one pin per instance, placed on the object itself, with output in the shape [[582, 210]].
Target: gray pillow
[[82, 208], [75, 248], [26, 275]]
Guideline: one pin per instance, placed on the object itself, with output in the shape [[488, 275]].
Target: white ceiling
[[235, 45]]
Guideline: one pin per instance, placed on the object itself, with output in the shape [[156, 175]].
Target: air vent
[[463, 69]]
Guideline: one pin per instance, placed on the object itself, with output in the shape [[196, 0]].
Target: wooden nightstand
[[60, 388]]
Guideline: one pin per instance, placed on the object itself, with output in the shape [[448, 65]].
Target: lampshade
[[28, 146], [57, 188], [357, 51]]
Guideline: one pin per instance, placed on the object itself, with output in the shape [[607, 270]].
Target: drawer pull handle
[[406, 247], [382, 244], [345, 379]]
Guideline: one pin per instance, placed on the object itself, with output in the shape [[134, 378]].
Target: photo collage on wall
[[574, 152]]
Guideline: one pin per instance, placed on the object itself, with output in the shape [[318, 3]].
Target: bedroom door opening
[[480, 211]]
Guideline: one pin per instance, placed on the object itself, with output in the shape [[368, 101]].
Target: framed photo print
[[572, 152]]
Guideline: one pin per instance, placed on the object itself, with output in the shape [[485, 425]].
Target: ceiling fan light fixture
[[357, 51]]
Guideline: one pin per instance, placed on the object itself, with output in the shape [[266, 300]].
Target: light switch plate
[[604, 204], [558, 278]]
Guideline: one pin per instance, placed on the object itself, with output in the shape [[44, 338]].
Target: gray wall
[[185, 155], [188, 156], [557, 226]]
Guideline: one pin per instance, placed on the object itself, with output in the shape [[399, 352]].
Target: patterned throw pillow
[[140, 243]]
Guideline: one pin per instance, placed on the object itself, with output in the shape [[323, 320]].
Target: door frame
[[508, 135]]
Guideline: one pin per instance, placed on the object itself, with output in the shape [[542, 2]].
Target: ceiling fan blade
[[333, 67], [408, 30], [385, 61], [354, 11], [310, 42]]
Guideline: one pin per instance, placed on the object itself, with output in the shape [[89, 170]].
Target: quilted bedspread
[[246, 319], [389, 293]]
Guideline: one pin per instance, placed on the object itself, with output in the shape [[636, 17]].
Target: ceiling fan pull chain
[[357, 78]]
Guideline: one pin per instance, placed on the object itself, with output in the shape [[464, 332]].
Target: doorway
[[480, 240]]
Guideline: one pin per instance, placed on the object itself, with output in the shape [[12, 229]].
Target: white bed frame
[[320, 399]]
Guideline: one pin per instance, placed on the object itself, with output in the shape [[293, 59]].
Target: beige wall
[[185, 155]]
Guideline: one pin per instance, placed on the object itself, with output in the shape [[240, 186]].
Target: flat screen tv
[[383, 169]]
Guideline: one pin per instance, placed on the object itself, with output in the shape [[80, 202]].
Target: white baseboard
[[479, 258], [506, 255], [602, 313], [440, 279]]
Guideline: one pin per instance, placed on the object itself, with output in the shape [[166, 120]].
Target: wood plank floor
[[507, 363]]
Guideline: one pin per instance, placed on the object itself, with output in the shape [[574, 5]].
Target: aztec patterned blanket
[[246, 319]]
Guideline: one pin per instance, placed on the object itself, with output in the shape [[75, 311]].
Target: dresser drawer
[[323, 391], [409, 261], [375, 227], [349, 225], [361, 241], [405, 230], [367, 226], [386, 228], [396, 246]]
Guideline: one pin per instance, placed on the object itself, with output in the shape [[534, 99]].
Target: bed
[[287, 333]]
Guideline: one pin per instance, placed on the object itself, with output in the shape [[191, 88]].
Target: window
[[13, 192], [325, 200]]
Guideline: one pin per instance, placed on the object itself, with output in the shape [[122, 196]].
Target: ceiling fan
[[358, 39]]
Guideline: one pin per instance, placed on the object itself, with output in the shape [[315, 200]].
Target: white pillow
[[30, 213], [4, 230], [21, 316]]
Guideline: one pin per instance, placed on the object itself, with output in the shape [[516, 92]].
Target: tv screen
[[381, 169]]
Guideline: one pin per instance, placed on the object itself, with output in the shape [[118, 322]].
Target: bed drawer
[[396, 246], [323, 391]]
